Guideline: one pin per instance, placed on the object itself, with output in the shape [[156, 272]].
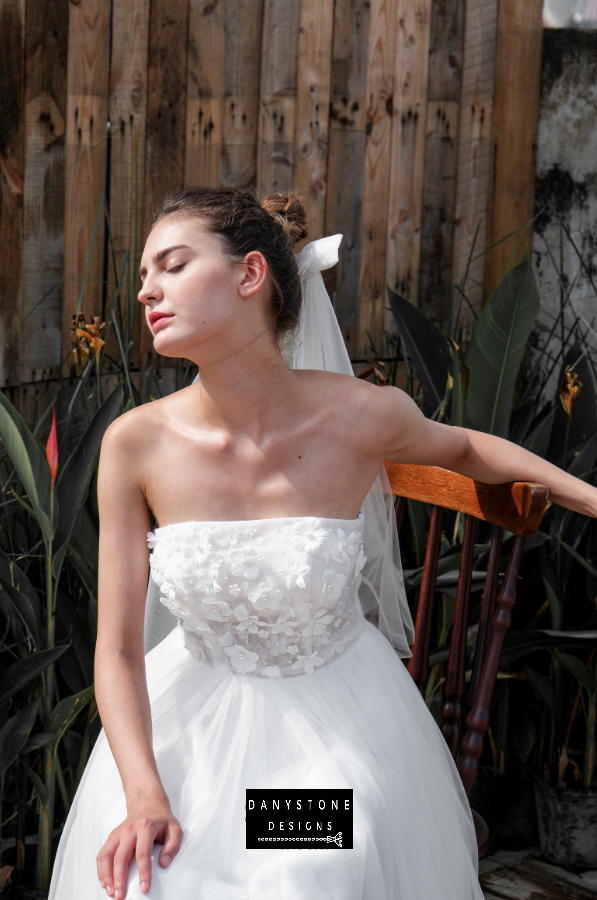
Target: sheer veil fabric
[[317, 343]]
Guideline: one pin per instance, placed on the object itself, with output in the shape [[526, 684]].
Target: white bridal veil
[[318, 344]]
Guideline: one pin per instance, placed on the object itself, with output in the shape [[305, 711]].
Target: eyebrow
[[158, 257]]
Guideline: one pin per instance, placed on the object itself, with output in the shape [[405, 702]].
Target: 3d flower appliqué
[[270, 597]]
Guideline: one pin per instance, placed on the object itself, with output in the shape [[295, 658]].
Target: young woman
[[256, 476]]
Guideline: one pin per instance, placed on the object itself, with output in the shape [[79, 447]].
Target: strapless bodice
[[270, 597]]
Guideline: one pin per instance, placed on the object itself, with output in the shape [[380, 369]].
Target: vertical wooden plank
[[12, 20], [166, 120], [346, 155], [46, 43], [474, 151], [376, 173], [279, 57], [516, 112], [241, 92], [128, 117], [441, 153], [411, 69], [314, 72], [86, 145], [205, 91]]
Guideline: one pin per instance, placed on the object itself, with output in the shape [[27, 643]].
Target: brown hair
[[272, 226]]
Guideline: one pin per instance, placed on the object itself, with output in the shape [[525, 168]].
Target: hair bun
[[288, 211]]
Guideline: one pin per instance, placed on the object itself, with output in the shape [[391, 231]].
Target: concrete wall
[[567, 183]]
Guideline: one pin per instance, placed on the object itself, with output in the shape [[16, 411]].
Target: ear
[[254, 273]]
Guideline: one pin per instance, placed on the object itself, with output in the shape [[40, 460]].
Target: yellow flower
[[569, 391]]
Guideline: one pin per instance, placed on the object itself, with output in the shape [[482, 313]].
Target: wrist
[[146, 794]]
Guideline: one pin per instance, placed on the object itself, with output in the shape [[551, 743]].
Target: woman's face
[[198, 304]]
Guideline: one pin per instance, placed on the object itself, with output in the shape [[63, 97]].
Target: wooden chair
[[517, 508]]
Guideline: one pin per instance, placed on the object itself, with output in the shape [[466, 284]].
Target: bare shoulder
[[139, 429], [374, 414]]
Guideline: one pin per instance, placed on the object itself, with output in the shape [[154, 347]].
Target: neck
[[247, 388]]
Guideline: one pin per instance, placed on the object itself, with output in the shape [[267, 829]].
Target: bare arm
[[120, 683], [480, 456]]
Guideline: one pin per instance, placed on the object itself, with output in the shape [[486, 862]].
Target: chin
[[169, 347]]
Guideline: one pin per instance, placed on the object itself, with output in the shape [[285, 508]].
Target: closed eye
[[176, 268]]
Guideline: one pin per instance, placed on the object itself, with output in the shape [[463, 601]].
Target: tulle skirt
[[358, 722]]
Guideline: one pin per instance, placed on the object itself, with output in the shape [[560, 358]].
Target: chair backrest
[[516, 507]]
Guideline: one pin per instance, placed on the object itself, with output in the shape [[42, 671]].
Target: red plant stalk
[[52, 449]]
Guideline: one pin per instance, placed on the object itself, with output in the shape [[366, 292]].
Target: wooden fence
[[405, 124]]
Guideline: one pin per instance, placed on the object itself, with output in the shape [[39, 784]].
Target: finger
[[105, 863], [171, 844], [122, 858], [143, 851]]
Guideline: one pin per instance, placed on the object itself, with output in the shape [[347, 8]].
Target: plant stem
[[46, 818]]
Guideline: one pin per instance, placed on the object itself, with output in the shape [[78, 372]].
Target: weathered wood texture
[[514, 133], [385, 115]]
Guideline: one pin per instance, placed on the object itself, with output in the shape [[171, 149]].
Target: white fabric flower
[[218, 610], [277, 644], [308, 535], [307, 663], [342, 547], [191, 623], [199, 545], [242, 659], [271, 671], [282, 623], [243, 563], [318, 623], [152, 540], [359, 562], [294, 574], [207, 583], [265, 596], [234, 589], [246, 622], [332, 587]]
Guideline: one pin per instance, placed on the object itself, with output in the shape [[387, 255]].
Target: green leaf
[[580, 559], [541, 688], [538, 440], [495, 351], [37, 783], [427, 348], [28, 615], [65, 713], [25, 670], [73, 483], [41, 739], [30, 462], [577, 668], [14, 734], [11, 572]]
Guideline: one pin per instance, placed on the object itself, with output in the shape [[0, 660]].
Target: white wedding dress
[[275, 679]]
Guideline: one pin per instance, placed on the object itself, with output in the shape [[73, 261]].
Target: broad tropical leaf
[[538, 440], [14, 734], [577, 668], [75, 476], [24, 670], [29, 460], [427, 348], [65, 713], [495, 351], [27, 613], [540, 686]]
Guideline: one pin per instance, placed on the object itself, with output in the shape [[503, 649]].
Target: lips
[[158, 320]]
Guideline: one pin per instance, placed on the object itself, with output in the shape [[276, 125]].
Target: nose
[[150, 291]]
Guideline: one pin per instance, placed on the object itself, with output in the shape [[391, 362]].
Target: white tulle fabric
[[318, 344], [350, 716]]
